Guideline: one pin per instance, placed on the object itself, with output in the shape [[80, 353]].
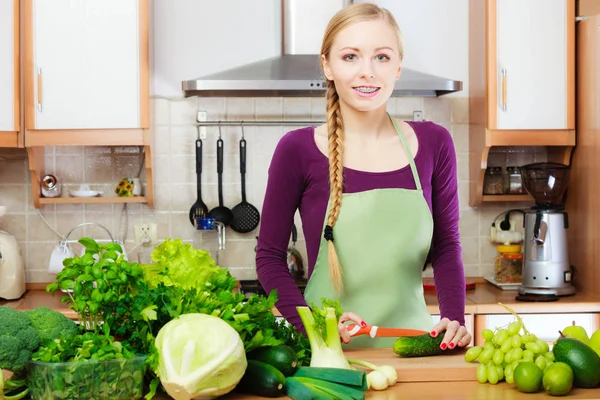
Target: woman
[[375, 196]]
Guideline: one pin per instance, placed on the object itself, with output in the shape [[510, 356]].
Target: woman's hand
[[348, 316], [456, 334]]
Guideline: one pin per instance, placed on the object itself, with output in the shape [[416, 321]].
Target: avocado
[[418, 346], [582, 359]]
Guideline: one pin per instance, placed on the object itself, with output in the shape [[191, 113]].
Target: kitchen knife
[[376, 331]]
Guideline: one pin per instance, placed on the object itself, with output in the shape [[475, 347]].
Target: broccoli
[[18, 339], [51, 324]]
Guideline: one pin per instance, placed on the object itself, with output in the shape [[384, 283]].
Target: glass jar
[[514, 184], [508, 265], [50, 186], [493, 182]]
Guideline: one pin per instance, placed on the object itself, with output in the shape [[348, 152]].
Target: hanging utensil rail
[[256, 123], [417, 115]]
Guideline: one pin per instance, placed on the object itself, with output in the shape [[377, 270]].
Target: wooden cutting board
[[442, 368]]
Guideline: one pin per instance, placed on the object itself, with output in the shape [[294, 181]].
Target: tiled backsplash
[[175, 182]]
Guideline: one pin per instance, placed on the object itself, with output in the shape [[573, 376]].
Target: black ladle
[[199, 209], [245, 216], [221, 213]]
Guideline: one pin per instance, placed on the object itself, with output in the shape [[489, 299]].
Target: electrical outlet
[[418, 116], [146, 230], [201, 117]]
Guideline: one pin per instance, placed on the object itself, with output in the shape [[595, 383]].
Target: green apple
[[595, 341], [576, 332]]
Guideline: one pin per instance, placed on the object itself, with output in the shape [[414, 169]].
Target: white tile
[[162, 140], [405, 106], [296, 108], [162, 112], [318, 109], [183, 140], [240, 108], [438, 110], [216, 107], [268, 108], [470, 250], [183, 112]]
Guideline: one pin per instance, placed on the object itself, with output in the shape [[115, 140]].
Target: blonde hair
[[335, 125]]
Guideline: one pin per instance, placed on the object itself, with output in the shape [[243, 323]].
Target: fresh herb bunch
[[98, 283], [88, 366], [89, 346], [252, 318]]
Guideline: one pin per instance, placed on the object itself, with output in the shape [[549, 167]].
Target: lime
[[558, 379], [528, 377]]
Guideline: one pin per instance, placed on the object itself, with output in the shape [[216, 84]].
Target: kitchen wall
[[197, 37]]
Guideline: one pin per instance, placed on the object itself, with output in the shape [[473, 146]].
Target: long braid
[[335, 135]]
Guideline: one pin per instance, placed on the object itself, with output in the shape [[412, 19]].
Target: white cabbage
[[200, 357]]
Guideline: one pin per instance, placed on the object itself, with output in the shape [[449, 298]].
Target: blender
[[546, 268]]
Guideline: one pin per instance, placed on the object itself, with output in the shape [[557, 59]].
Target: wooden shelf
[[92, 200], [36, 168], [505, 197]]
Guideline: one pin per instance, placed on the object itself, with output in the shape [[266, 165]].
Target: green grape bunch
[[504, 348]]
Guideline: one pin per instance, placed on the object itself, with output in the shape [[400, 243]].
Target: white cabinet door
[[546, 326], [532, 53], [86, 62], [7, 65]]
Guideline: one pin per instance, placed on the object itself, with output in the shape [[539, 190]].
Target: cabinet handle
[[504, 73], [39, 90]]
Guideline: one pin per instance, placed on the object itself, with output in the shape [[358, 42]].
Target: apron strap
[[411, 161]]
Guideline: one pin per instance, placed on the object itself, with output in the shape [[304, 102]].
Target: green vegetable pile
[[76, 367], [21, 334], [137, 301]]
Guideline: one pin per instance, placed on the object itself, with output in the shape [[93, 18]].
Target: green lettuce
[[180, 264]]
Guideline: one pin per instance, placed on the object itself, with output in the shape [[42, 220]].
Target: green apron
[[382, 238]]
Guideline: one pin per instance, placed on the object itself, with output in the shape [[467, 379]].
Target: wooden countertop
[[481, 300], [471, 390]]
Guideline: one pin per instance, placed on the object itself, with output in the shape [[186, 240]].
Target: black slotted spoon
[[199, 209], [221, 213], [245, 216]]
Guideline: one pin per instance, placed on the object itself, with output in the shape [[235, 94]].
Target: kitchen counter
[[440, 377], [451, 391], [481, 300]]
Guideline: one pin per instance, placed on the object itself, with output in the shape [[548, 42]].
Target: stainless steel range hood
[[293, 75]]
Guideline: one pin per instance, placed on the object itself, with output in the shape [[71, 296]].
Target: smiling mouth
[[366, 89]]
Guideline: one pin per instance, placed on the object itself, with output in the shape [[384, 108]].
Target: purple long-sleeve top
[[299, 180]]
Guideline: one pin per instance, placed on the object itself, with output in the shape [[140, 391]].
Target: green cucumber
[[261, 379], [281, 357], [418, 346]]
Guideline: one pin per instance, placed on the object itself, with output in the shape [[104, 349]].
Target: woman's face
[[364, 62]]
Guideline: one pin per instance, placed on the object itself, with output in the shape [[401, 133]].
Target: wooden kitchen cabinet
[[521, 81], [86, 81], [85, 66], [10, 104]]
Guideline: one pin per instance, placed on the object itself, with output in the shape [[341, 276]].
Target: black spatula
[[199, 209], [221, 213], [245, 216]]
